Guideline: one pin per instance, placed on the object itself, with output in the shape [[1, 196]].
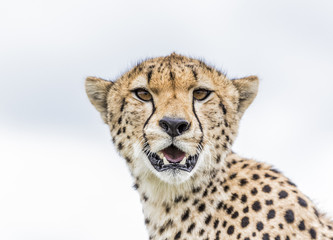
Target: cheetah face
[[171, 124], [172, 117]]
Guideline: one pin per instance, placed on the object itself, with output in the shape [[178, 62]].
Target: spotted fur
[[225, 196]]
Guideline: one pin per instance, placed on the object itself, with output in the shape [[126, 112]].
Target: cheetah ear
[[97, 90], [247, 88]]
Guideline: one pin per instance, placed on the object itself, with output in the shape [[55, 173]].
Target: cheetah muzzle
[[172, 158]]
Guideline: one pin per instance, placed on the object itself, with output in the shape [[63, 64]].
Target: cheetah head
[[172, 117]]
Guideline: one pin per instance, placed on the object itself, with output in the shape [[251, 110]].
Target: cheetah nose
[[174, 126]]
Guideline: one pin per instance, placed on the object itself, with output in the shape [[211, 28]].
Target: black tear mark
[[147, 121], [200, 126]]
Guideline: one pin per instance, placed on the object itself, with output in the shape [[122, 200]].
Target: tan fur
[[224, 196]]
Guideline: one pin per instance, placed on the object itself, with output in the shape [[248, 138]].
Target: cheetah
[[174, 120]]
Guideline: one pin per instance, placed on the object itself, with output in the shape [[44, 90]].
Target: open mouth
[[172, 158]]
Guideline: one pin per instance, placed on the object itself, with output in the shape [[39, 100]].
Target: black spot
[[122, 105], [280, 225], [271, 214], [243, 182], [208, 218], [266, 189], [291, 183], [277, 237], [218, 157], [230, 209], [226, 188], [245, 222], [119, 131], [245, 165], [214, 189], [227, 138], [254, 191], [190, 228], [147, 221], [178, 199], [265, 236], [313, 233], [196, 189], [256, 206], [302, 202], [178, 235], [301, 226], [136, 186], [269, 202], [316, 212], [224, 224], [219, 205], [289, 216], [268, 175], [167, 209], [223, 108], [201, 207], [275, 170], [205, 193], [232, 176], [244, 198], [231, 230], [145, 198], [218, 235], [260, 226], [195, 74], [172, 75], [234, 196], [149, 75], [283, 194], [246, 210], [120, 146], [216, 223], [235, 215], [255, 176], [185, 215], [202, 231], [120, 120]]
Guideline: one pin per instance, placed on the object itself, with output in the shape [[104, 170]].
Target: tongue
[[173, 154]]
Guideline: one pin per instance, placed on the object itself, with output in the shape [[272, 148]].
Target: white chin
[[173, 176]]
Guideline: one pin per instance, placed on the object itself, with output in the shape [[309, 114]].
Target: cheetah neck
[[161, 200]]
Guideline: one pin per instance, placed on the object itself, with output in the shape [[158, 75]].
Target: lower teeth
[[165, 161], [183, 161]]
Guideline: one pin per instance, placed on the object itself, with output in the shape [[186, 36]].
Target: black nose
[[174, 126]]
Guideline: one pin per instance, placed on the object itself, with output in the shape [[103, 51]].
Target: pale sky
[[60, 177]]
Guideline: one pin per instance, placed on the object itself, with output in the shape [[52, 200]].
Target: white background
[[60, 177]]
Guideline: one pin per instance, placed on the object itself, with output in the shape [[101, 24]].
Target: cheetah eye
[[201, 94], [143, 94]]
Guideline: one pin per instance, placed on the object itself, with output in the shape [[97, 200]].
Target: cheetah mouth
[[172, 158]]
